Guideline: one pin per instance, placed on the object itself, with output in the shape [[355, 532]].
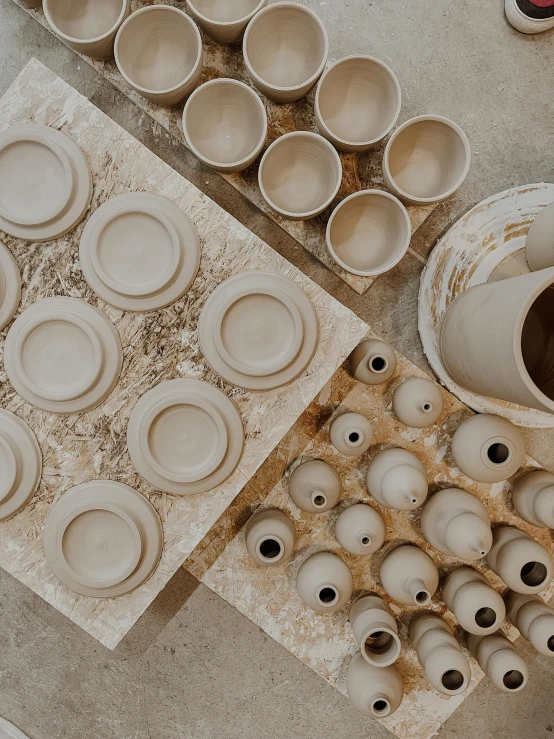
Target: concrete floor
[[193, 667]]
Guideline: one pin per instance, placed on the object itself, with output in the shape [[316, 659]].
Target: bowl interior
[[537, 342], [85, 19], [225, 11]]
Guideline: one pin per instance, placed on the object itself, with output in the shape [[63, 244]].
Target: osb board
[[489, 237], [268, 596], [360, 171], [157, 346]]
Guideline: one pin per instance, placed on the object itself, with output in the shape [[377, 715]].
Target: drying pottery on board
[[375, 691], [533, 498], [350, 433], [258, 330], [139, 252], [270, 537], [63, 355], [20, 464], [324, 582], [360, 529], [534, 620], [224, 20], [45, 182], [539, 244], [10, 286], [185, 436], [409, 575], [373, 362], [523, 564], [103, 539], [418, 402], [500, 662], [397, 479], [315, 486], [375, 631], [478, 608]]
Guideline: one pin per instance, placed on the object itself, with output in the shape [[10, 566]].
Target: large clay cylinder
[[497, 340]]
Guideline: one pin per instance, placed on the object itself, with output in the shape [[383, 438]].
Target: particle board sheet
[[360, 171], [157, 346]]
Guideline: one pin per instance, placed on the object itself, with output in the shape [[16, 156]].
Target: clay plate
[[10, 286], [20, 464]]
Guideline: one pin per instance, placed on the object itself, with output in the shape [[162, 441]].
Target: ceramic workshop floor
[[193, 667]]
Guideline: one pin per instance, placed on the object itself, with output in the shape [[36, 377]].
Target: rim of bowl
[[255, 150], [269, 9], [388, 266], [396, 84], [223, 24], [124, 6], [151, 9], [315, 211], [463, 136]]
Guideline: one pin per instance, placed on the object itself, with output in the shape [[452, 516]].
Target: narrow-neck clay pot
[[373, 362], [351, 434], [224, 20], [397, 479], [315, 486], [324, 582], [523, 564], [539, 244], [417, 402], [498, 659], [360, 529], [409, 575], [439, 653], [375, 691], [496, 340], [375, 631], [478, 608], [534, 619], [533, 497], [270, 537], [457, 523]]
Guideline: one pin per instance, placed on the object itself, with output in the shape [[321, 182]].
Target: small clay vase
[[224, 21], [523, 564], [375, 691], [534, 619], [409, 576], [533, 498], [270, 537], [497, 657], [488, 448], [539, 244], [373, 362], [439, 653], [324, 582], [417, 402], [375, 631], [457, 523], [478, 608], [351, 434], [360, 529], [315, 486], [397, 479]]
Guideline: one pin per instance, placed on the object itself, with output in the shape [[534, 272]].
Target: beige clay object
[[258, 330], [498, 659], [20, 464], [224, 20], [375, 631], [534, 619], [315, 486], [373, 362], [523, 564], [478, 608], [397, 479], [533, 497], [270, 537], [409, 576], [351, 433], [375, 691], [539, 244], [324, 582], [285, 49], [10, 286], [360, 529], [418, 402]]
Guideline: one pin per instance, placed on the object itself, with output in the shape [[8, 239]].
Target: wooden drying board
[[157, 346], [268, 596], [360, 171]]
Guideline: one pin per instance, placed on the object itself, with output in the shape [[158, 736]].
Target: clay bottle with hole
[[397, 479], [270, 536], [456, 522], [499, 660], [418, 402], [478, 608], [373, 362], [360, 529], [351, 434], [324, 582], [523, 564], [375, 630], [534, 619], [439, 653], [375, 691], [539, 244], [488, 448], [409, 575], [315, 486], [533, 498]]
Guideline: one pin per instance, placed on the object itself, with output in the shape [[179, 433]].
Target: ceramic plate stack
[[185, 436], [103, 539], [258, 330], [139, 252], [63, 355], [10, 286], [45, 183], [20, 464]]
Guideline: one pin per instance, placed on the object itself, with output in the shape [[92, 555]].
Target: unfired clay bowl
[[285, 49], [158, 50], [88, 26], [369, 232], [225, 124], [300, 175], [426, 160], [357, 102], [224, 20]]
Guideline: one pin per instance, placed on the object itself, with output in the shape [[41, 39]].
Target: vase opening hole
[[550, 643], [427, 407], [327, 596], [536, 339], [319, 500], [353, 437], [533, 574], [378, 642], [365, 540], [452, 680], [378, 364], [422, 597], [380, 707], [270, 549], [485, 618], [498, 453], [513, 680]]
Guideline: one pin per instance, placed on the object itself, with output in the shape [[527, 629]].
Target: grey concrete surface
[[193, 667]]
